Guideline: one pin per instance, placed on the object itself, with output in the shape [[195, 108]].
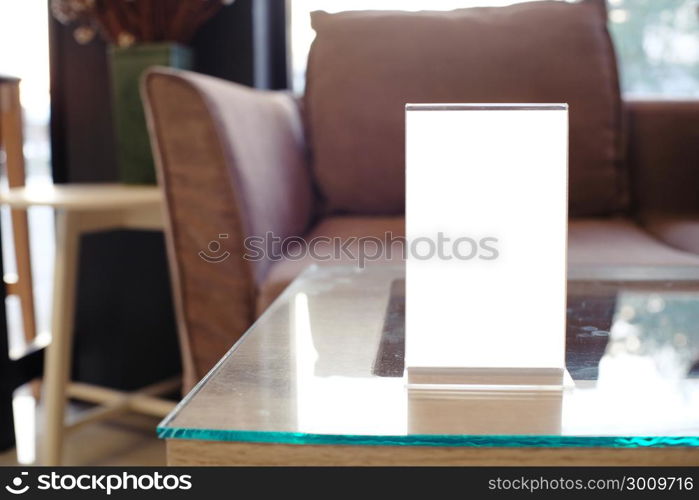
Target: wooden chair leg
[[59, 352]]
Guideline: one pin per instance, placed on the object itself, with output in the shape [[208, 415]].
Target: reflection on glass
[[484, 413], [660, 330], [305, 374], [643, 384], [325, 395]]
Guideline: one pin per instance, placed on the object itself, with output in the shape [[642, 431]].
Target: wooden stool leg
[[24, 289], [58, 358], [13, 142]]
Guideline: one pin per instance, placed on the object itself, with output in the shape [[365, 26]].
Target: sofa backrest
[[365, 65]]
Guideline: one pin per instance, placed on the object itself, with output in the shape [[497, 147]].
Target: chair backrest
[[364, 66]]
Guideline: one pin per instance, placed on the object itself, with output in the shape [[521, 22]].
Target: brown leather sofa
[[241, 162]]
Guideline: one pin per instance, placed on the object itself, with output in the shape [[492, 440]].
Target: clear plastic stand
[[486, 222]]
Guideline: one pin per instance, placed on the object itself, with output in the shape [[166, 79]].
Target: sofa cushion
[[344, 228], [591, 242], [620, 242], [365, 66], [681, 232]]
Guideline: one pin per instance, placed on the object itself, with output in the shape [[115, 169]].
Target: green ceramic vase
[[134, 156]]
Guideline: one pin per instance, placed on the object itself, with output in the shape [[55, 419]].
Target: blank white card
[[486, 223]]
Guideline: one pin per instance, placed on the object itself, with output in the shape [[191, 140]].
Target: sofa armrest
[[664, 156], [232, 164]]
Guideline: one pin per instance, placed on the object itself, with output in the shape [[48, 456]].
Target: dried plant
[[125, 22]]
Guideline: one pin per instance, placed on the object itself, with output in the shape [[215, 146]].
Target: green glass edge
[[484, 441]]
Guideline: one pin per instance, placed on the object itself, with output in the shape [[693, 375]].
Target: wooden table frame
[[216, 453]]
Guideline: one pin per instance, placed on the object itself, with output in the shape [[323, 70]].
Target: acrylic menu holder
[[486, 226]]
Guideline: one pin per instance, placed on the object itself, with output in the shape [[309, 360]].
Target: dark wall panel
[[82, 137], [224, 45], [125, 333]]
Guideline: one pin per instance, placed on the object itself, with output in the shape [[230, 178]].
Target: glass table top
[[324, 365]]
